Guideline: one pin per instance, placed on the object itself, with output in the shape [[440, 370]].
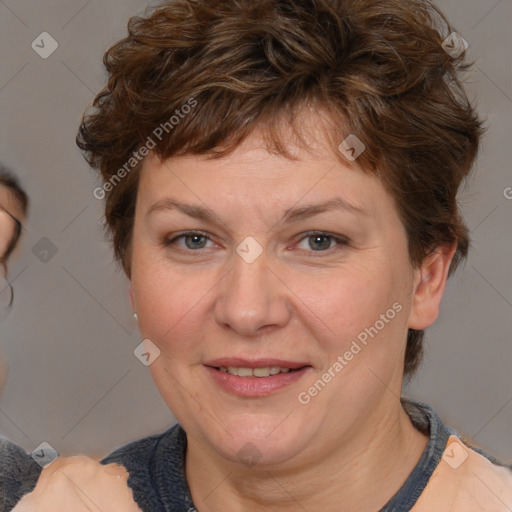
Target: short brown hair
[[378, 67]]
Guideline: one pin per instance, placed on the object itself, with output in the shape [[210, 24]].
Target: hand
[[80, 484]]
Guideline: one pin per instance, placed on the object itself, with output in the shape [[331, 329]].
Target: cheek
[[342, 304], [169, 304]]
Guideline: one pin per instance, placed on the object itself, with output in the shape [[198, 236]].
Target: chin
[[256, 440]]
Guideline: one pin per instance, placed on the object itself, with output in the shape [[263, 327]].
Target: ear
[[429, 285]]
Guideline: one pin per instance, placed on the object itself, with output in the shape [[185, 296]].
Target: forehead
[[260, 181], [312, 151]]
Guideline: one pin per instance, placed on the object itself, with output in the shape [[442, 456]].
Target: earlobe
[[429, 286]]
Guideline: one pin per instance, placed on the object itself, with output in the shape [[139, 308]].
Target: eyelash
[[340, 241]]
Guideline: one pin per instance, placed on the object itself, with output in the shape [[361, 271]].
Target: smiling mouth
[[256, 372], [255, 379]]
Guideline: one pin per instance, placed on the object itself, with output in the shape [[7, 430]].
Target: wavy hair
[[378, 67]]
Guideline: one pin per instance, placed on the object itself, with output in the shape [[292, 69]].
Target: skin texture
[[80, 484], [294, 302]]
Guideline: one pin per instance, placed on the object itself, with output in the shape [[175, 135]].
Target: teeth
[[260, 372], [253, 372]]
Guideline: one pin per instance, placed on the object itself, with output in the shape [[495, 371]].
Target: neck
[[374, 458]]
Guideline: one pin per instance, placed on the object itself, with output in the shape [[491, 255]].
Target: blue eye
[[318, 241], [321, 242], [193, 240]]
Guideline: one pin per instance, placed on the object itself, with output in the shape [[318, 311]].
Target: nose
[[252, 298]]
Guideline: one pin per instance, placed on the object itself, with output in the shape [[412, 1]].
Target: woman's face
[[257, 289]]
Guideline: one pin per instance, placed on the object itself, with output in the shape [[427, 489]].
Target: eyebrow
[[291, 214]]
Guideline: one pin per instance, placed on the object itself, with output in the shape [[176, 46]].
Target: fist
[[80, 484]]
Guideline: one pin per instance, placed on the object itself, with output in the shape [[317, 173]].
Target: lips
[[236, 362], [254, 372], [255, 378]]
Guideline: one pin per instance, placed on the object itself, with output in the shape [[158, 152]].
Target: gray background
[[74, 381]]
